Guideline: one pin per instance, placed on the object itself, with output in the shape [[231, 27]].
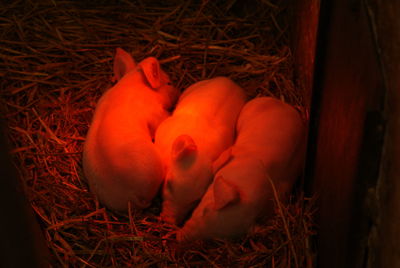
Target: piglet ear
[[123, 63], [224, 157], [152, 72], [224, 193], [184, 150]]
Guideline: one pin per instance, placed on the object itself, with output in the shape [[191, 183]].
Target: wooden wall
[[384, 236], [305, 16], [346, 130]]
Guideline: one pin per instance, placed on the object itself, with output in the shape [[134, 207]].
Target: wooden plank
[[345, 131], [385, 231]]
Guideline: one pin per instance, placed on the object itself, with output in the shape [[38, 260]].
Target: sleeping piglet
[[270, 146], [200, 128], [120, 161]]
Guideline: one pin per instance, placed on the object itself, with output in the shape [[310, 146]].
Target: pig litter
[[57, 61]]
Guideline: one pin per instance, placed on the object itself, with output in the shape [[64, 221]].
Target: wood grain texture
[[385, 232], [346, 130]]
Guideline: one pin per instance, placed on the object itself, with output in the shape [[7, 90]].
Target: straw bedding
[[57, 62]]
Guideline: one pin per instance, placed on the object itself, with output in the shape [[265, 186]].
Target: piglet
[[200, 128], [269, 148], [120, 160]]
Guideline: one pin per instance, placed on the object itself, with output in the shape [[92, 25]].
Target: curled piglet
[[200, 128], [120, 160], [268, 152]]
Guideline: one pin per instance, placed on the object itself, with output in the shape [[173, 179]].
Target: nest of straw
[[57, 61]]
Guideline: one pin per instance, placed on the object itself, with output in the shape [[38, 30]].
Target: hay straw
[[285, 225], [57, 62]]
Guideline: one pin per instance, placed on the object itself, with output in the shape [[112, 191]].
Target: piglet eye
[[196, 202], [205, 211]]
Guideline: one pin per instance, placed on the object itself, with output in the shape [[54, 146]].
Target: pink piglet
[[269, 148], [120, 161], [200, 128]]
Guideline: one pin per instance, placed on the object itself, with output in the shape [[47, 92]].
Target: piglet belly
[[128, 172]]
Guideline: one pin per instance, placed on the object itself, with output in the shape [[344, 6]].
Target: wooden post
[[384, 238], [346, 132]]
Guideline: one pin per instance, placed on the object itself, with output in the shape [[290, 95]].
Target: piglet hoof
[[168, 219], [181, 237]]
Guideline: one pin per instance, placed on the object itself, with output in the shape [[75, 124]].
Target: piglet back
[[120, 161], [275, 132]]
